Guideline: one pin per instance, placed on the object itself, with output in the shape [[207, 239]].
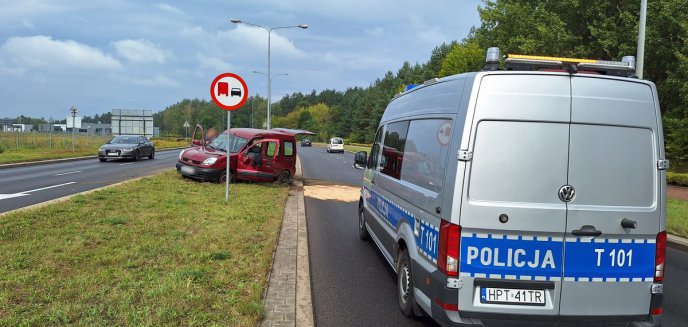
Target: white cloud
[[214, 63], [245, 41], [45, 53], [168, 8], [156, 81], [375, 32], [141, 51]]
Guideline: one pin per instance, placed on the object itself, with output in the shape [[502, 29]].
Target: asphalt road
[[24, 186], [353, 285]]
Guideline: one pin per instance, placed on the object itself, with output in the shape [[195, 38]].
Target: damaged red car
[[255, 155]]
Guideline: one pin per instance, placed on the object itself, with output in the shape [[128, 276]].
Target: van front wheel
[[405, 284]]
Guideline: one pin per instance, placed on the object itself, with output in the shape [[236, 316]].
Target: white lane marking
[[67, 173], [25, 193], [128, 163], [161, 157], [344, 162], [48, 187]]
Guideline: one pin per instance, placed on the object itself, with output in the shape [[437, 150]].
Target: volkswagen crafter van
[[535, 194]]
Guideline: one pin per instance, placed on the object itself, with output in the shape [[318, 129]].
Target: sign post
[[229, 92]]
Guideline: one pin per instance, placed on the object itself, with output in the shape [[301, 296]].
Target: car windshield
[[235, 143], [337, 141], [125, 140]]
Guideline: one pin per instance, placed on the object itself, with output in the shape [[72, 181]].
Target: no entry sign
[[229, 91]]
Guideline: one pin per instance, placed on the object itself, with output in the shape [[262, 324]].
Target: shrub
[[677, 178]]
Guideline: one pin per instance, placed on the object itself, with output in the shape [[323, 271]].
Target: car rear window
[[288, 148], [337, 141]]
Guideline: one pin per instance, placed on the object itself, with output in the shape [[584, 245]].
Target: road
[[24, 186], [353, 285]]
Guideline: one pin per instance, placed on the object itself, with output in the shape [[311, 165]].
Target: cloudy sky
[[105, 54]]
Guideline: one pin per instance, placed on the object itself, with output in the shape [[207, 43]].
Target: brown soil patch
[[680, 193], [333, 192]]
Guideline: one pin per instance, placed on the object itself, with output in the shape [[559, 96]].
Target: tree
[[463, 57]]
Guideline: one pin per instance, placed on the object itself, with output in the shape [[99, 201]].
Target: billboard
[[132, 122]]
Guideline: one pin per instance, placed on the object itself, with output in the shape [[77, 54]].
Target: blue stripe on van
[[428, 235], [497, 257]]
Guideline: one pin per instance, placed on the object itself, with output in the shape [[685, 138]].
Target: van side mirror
[[360, 159]]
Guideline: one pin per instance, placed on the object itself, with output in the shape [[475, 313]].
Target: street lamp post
[[640, 63], [73, 110], [269, 29], [269, 83]]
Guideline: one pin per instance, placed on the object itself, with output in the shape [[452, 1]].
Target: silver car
[[528, 195], [127, 146]]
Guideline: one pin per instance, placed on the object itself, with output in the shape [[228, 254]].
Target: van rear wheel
[[405, 284]]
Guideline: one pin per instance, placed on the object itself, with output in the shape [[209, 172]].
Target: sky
[[100, 55]]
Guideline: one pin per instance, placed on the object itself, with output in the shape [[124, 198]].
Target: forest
[[571, 28]]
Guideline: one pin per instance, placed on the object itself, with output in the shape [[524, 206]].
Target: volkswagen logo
[[567, 193]]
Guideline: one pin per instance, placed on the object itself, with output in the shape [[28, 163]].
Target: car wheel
[[102, 159], [405, 284], [362, 231], [137, 155], [152, 155], [284, 178], [223, 177]]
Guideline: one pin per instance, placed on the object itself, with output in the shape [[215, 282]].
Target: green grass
[[21, 147], [347, 147], [677, 217], [158, 251]]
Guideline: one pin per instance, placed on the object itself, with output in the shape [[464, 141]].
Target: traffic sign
[[229, 91]]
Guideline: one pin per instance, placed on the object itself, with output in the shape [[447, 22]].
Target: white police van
[[534, 194]]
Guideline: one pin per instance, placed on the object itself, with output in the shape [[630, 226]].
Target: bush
[[2, 149], [680, 179]]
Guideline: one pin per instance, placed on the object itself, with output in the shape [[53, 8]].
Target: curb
[[287, 299], [50, 161], [677, 242]]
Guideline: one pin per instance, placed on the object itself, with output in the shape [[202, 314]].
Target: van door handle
[[587, 230]]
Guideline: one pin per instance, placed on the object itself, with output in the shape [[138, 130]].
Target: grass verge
[[347, 147], [158, 251], [677, 217], [22, 147]]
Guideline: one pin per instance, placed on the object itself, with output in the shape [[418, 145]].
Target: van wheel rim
[[404, 282]]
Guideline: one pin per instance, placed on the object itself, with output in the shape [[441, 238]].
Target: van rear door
[[613, 153], [511, 217]]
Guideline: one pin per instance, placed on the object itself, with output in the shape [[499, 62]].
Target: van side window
[[374, 159], [288, 148], [425, 153], [393, 148]]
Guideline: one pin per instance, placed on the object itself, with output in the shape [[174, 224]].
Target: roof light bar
[[626, 67]]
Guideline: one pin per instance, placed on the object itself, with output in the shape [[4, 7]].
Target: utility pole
[[73, 110], [640, 63]]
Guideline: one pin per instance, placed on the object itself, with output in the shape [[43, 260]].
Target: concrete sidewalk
[[287, 301]]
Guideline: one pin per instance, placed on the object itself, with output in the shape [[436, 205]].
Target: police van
[[532, 194]]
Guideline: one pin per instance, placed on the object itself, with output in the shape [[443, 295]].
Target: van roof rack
[[625, 68]]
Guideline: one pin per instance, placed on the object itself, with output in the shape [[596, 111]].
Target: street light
[[641, 40], [271, 78], [73, 110], [269, 29]]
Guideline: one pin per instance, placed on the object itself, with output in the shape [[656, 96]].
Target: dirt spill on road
[[333, 192]]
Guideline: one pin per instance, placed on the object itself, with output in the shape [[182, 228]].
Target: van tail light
[[448, 257], [660, 256]]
